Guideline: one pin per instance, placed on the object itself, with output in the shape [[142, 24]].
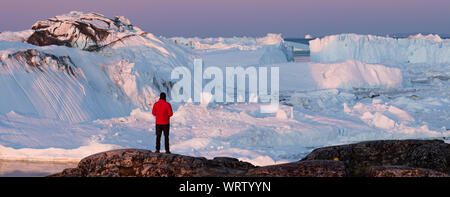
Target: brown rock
[[69, 172], [430, 154], [402, 171], [144, 163], [313, 168]]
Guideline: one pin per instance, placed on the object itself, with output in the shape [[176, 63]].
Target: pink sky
[[292, 18]]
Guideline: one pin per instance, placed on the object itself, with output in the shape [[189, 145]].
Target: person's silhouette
[[162, 110]]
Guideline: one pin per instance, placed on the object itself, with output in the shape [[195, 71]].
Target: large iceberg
[[429, 49], [102, 68], [270, 49], [305, 76]]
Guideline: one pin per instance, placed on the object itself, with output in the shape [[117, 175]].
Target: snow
[[376, 49], [237, 130]]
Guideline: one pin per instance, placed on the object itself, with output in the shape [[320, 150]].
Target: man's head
[[162, 96]]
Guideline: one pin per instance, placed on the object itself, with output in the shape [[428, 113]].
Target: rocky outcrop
[[144, 163], [313, 168], [89, 32], [391, 158], [402, 171], [428, 154]]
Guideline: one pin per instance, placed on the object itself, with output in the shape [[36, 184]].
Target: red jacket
[[163, 111]]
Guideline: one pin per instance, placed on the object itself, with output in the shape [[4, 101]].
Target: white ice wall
[[377, 49]]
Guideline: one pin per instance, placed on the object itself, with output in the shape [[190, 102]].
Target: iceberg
[[80, 67], [304, 76], [270, 49], [372, 49]]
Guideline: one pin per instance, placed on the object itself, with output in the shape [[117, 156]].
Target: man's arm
[[170, 110], [154, 109]]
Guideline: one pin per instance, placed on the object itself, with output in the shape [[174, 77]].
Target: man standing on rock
[[162, 110]]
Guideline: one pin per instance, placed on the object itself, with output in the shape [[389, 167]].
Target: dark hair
[[162, 96]]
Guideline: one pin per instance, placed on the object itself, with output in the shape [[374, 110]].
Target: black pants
[[159, 129]]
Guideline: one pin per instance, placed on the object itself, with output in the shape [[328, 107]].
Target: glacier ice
[[376, 49], [345, 75]]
